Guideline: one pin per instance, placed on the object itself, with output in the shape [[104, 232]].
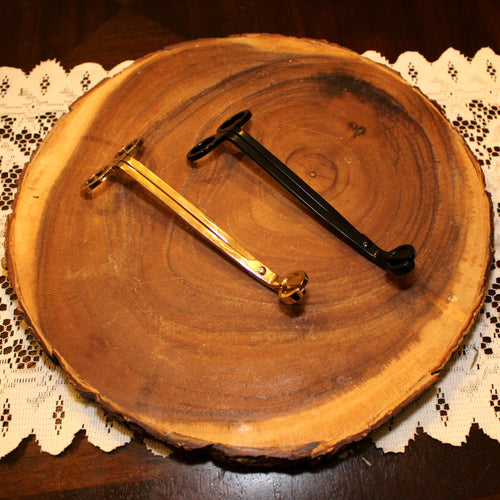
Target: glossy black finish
[[400, 260]]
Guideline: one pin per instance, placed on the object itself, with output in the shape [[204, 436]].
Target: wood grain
[[111, 31], [133, 472], [156, 325]]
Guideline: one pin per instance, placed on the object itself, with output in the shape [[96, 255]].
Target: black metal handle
[[398, 261]]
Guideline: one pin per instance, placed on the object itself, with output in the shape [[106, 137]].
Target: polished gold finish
[[290, 288]]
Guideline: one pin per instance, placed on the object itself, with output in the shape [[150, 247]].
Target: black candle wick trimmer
[[398, 261]]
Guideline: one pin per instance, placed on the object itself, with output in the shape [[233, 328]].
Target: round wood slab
[[159, 327]]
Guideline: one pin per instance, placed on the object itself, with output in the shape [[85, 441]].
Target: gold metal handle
[[290, 288]]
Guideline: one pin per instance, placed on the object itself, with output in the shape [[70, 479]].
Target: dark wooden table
[[110, 31]]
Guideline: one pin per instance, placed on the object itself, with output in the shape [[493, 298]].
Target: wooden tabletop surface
[[111, 31]]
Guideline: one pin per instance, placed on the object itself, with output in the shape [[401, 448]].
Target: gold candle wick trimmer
[[290, 289]]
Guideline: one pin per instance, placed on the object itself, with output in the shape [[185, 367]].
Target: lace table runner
[[36, 397]]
